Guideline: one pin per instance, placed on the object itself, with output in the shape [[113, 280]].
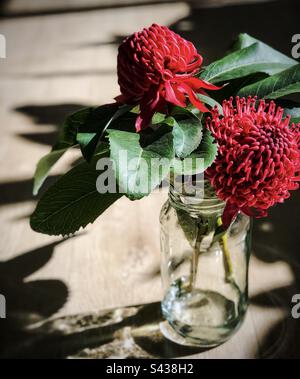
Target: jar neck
[[200, 200]]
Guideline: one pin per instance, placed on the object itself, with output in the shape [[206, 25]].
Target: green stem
[[205, 228], [195, 258], [226, 254], [203, 231]]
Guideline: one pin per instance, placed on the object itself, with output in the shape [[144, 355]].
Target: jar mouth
[[201, 197]]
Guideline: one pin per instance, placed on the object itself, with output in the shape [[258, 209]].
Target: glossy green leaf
[[93, 129], [71, 203], [207, 149], [257, 57], [235, 85], [187, 135], [183, 113], [66, 139], [279, 85], [188, 225], [44, 166], [158, 118], [211, 102], [68, 131], [200, 159], [244, 40], [139, 170]]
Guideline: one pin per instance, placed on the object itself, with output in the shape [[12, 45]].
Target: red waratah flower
[[155, 67], [258, 159]]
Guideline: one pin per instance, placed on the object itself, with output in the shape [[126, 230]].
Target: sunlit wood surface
[[59, 291]]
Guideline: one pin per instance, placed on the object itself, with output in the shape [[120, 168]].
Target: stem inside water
[[205, 238], [226, 254], [228, 267], [195, 259]]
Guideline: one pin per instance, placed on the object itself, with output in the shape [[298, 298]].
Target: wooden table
[[58, 291]]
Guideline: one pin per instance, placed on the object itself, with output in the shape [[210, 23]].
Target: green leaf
[[85, 127], [66, 139], [188, 225], [282, 84], [92, 130], [195, 230], [258, 57], [88, 143], [183, 113], [71, 203], [207, 149], [149, 135], [192, 112], [210, 101], [139, 170], [158, 118], [187, 135], [200, 159], [244, 40], [44, 166], [68, 131], [233, 87], [294, 113]]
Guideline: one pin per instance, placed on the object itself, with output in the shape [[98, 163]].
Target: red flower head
[[258, 159], [156, 67]]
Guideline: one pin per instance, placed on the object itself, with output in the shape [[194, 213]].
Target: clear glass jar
[[204, 270]]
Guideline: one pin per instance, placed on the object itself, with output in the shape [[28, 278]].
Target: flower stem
[[195, 258], [226, 252], [204, 240]]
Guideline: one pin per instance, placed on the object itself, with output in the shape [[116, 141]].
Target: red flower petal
[[174, 97], [196, 84], [150, 104], [156, 56], [193, 97], [230, 212], [258, 156]]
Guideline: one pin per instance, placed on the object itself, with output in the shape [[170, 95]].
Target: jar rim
[[203, 199]]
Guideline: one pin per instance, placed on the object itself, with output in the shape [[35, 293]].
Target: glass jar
[[204, 269]]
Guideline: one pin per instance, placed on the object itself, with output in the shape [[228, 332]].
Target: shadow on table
[[18, 191], [52, 114], [275, 239], [13, 192], [28, 301], [129, 332]]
